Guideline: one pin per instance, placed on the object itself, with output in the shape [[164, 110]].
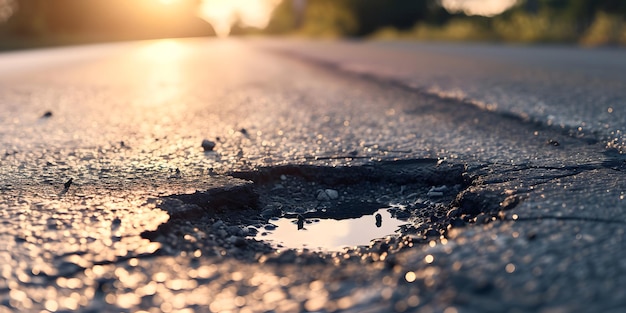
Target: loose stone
[[482, 218], [553, 142], [439, 188], [68, 184], [208, 145], [327, 195], [236, 241], [222, 233], [218, 224], [332, 193], [454, 212], [251, 231], [435, 194]]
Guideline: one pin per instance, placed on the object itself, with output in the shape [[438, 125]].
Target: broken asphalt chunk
[[208, 145]]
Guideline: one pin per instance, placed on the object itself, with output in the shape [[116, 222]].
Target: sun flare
[[224, 14], [478, 7]]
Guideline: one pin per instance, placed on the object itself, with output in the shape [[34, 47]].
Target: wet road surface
[[110, 203]]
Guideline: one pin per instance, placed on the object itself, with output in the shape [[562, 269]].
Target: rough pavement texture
[[578, 90], [533, 211]]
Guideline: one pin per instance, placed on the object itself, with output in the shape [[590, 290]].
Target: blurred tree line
[[590, 22], [352, 17], [42, 22]]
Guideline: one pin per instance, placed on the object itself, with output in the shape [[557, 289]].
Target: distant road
[[574, 88]]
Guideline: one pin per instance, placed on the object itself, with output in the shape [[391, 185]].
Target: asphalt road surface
[[503, 163]]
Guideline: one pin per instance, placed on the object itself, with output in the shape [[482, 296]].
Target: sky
[[478, 7], [224, 14]]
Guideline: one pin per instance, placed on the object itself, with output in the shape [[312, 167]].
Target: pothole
[[379, 207]]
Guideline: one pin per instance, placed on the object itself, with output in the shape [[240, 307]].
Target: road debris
[[208, 145], [327, 195], [67, 184]]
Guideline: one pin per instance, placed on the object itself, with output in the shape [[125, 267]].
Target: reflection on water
[[329, 234]]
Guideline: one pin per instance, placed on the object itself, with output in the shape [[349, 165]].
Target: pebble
[[208, 145], [553, 142], [287, 257], [456, 222], [222, 233], [327, 194], [236, 241], [68, 183], [431, 232], [435, 194], [439, 188], [454, 212], [116, 222], [300, 222], [482, 218], [267, 213], [278, 187], [217, 224], [235, 230], [251, 231]]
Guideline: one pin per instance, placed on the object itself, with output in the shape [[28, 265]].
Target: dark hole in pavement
[[418, 195]]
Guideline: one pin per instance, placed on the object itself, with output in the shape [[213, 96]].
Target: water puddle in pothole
[[330, 234]]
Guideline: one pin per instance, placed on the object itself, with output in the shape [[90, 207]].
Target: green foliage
[[532, 21], [524, 27], [607, 29], [401, 14], [329, 18], [334, 18], [284, 19], [457, 29]]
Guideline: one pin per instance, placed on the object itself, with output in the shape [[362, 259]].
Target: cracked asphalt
[[109, 203]]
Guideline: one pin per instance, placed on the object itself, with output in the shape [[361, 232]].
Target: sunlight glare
[[478, 7], [163, 49], [7, 8], [164, 81], [224, 14]]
